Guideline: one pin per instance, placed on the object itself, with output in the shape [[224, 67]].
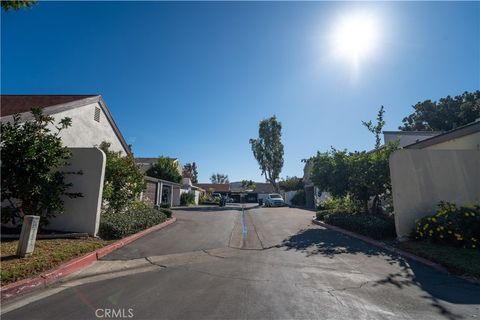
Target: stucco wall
[[83, 214], [423, 178], [471, 142], [85, 131]]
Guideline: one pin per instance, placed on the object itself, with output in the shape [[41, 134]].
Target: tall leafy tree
[[189, 170], [31, 157], [291, 184], [444, 115], [248, 185], [123, 181], [16, 4], [268, 149], [219, 178], [165, 168], [361, 175]]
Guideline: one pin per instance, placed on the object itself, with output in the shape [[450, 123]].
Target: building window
[[96, 116]]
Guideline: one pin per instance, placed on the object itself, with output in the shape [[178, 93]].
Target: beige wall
[[423, 178], [85, 131], [83, 214], [471, 142]]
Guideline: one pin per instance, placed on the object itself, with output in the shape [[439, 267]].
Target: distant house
[[188, 187], [235, 190], [159, 191], [222, 188], [145, 163], [406, 138], [92, 122]]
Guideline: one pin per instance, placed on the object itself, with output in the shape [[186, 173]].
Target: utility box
[[26, 245]]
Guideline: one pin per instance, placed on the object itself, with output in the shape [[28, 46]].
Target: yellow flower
[[434, 220]]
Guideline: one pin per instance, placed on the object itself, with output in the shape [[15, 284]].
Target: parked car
[[274, 200], [216, 196], [229, 200]]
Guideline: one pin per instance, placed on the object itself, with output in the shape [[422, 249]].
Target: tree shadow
[[208, 208], [438, 287]]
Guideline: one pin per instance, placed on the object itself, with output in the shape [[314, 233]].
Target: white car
[[274, 200]]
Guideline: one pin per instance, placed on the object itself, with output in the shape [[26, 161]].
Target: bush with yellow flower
[[459, 226]]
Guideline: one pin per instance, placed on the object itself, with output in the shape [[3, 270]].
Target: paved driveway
[[266, 263]]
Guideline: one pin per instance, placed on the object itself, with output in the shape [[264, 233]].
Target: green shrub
[[339, 205], [165, 205], [123, 180], [451, 225], [208, 199], [187, 199], [367, 224], [299, 198], [138, 217], [166, 212]]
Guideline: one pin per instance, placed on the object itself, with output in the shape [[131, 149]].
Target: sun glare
[[355, 37]]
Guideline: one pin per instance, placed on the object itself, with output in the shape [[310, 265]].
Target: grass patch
[[48, 254], [461, 261]]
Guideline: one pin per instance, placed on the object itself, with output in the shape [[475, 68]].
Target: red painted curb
[[382, 245], [54, 275], [69, 267]]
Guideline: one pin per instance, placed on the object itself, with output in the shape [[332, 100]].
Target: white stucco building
[[92, 122]]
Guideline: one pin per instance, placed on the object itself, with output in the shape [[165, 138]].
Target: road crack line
[[155, 264]]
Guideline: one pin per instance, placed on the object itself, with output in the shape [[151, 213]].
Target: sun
[[355, 37]]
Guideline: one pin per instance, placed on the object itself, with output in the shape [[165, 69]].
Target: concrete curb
[[51, 276], [384, 246]]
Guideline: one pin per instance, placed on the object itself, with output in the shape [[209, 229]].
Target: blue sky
[[193, 80]]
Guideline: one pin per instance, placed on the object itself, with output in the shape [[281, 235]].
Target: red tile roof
[[11, 104]]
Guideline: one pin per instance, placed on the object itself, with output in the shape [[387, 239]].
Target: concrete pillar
[[171, 196], [160, 193], [28, 235]]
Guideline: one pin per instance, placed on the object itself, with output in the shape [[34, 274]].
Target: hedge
[[370, 225], [115, 225]]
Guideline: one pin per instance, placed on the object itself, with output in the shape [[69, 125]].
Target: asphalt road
[[265, 263]]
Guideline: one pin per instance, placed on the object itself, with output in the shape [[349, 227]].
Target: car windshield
[[275, 196]]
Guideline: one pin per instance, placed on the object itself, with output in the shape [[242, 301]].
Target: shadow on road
[[437, 286], [208, 208], [230, 206]]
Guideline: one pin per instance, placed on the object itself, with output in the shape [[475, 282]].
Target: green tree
[[360, 175], [291, 184], [331, 172], [268, 149], [123, 180], [444, 115], [17, 4], [32, 156], [248, 185], [189, 170], [377, 128], [219, 178], [165, 168]]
